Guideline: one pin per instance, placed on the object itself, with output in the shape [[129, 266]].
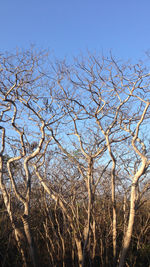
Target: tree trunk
[[128, 234], [30, 241], [6, 199], [79, 251]]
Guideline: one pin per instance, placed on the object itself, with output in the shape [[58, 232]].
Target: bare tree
[[63, 126], [116, 98], [19, 76]]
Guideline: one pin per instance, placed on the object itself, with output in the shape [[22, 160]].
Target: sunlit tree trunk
[[144, 165], [6, 197], [79, 251]]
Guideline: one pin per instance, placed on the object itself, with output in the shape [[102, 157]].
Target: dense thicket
[[74, 161]]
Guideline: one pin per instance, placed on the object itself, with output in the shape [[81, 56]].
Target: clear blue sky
[[69, 27]]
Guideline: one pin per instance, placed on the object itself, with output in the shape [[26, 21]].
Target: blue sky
[[70, 27]]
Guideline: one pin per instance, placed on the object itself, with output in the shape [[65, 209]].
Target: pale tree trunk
[[94, 239], [73, 251], [26, 203], [144, 165], [6, 198], [128, 234], [114, 220], [79, 251], [30, 240], [26, 215], [18, 234], [18, 237], [60, 236], [125, 214], [86, 247], [25, 200]]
